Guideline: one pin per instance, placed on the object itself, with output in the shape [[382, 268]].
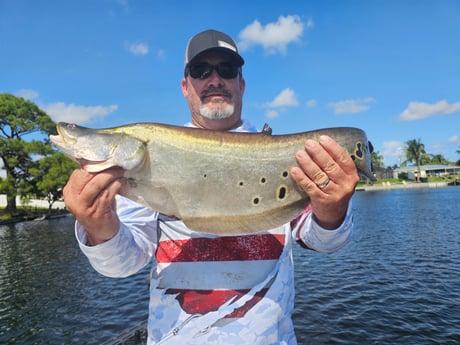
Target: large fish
[[216, 182]]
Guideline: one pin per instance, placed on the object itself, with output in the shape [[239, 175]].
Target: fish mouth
[[57, 140], [64, 136]]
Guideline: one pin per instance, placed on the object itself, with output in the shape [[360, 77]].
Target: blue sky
[[391, 68]]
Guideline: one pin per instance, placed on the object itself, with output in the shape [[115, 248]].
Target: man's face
[[214, 101]]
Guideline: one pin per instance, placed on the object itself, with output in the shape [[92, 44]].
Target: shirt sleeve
[[312, 236], [131, 248]]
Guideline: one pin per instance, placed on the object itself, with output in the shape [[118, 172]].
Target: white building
[[427, 171]]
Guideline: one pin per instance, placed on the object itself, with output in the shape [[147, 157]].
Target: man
[[207, 289]]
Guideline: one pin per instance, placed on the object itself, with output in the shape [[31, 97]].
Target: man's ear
[[184, 87], [242, 85]]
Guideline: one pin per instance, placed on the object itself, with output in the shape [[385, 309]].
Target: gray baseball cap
[[212, 40]]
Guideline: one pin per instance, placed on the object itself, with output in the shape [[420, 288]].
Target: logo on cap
[[226, 45]]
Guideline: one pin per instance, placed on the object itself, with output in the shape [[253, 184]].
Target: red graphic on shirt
[[232, 248]]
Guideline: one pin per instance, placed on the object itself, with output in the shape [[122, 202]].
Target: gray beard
[[216, 111]]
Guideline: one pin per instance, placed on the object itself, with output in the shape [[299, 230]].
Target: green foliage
[[377, 160], [415, 152], [438, 159], [458, 162], [51, 174], [22, 213], [7, 185], [403, 176], [18, 119]]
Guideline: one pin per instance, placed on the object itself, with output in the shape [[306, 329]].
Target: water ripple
[[397, 282]]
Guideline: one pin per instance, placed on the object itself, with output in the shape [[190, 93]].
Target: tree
[[19, 118], [438, 159], [458, 162], [377, 160], [415, 152], [51, 174]]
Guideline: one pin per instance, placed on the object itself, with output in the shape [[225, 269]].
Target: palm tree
[[438, 159], [415, 152], [458, 162], [376, 160]]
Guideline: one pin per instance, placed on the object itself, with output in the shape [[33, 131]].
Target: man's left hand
[[328, 175]]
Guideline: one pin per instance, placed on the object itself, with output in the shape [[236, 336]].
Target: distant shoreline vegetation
[[29, 210], [400, 183], [27, 213]]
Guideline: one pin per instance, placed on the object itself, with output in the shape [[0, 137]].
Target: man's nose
[[214, 78]]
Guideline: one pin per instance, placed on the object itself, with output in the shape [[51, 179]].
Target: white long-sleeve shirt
[[208, 289]]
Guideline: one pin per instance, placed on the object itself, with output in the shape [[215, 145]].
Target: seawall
[[32, 203], [389, 186]]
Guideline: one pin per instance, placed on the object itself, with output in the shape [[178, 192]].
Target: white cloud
[[420, 110], [454, 139], [137, 49], [59, 111], [274, 37], [27, 94], [393, 149], [311, 103], [80, 114], [285, 98], [351, 106], [271, 113]]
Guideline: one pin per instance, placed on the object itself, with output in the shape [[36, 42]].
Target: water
[[397, 282], [50, 295]]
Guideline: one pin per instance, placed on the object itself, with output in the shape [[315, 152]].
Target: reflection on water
[[50, 295], [397, 282]]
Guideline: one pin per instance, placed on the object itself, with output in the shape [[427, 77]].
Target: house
[[427, 171]]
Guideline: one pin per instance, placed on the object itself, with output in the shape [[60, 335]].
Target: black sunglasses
[[203, 70]]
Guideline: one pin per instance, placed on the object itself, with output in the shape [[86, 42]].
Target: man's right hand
[[90, 197]]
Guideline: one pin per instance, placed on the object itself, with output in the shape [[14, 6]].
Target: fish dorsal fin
[[267, 129]]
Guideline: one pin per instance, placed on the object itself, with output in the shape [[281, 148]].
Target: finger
[[307, 175], [346, 174], [302, 180], [77, 181], [315, 162], [102, 186], [339, 155]]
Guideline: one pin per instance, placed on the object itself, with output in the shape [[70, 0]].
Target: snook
[[216, 182]]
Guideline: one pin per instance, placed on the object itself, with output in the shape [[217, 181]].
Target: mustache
[[214, 89]]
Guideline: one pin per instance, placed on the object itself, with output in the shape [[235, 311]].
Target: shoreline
[[391, 186], [58, 210], [34, 218]]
